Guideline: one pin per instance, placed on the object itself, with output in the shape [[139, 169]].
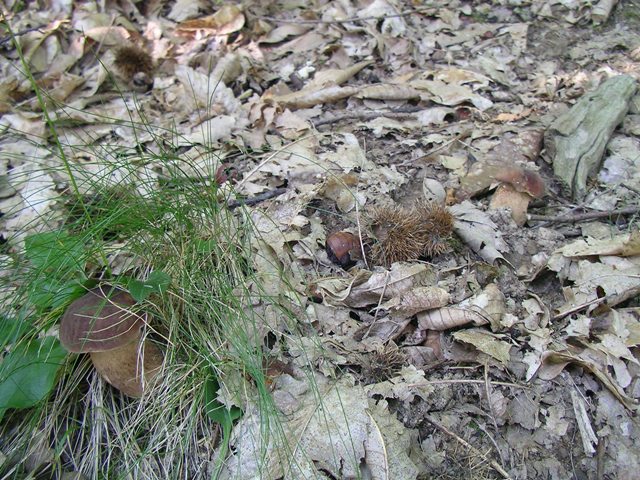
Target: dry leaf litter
[[509, 350]]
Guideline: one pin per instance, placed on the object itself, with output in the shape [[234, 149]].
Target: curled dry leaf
[[228, 19], [369, 288], [490, 302], [388, 92], [308, 98], [449, 317], [335, 76], [284, 32], [417, 300], [485, 307], [553, 363], [385, 329]]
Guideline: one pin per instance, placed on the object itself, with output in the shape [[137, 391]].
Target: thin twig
[[629, 187], [365, 115], [257, 199], [579, 217], [458, 380], [20, 33], [487, 389], [350, 19], [496, 466]]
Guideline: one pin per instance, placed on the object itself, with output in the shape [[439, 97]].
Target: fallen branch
[[580, 217]]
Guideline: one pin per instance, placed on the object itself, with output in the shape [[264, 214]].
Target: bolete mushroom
[[518, 186], [105, 324]]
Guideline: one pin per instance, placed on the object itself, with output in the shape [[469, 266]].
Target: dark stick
[[579, 217], [257, 199], [20, 33]]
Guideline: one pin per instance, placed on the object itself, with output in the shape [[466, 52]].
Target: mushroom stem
[[130, 368]]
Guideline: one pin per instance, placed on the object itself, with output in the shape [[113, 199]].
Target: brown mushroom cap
[[523, 180], [100, 320]]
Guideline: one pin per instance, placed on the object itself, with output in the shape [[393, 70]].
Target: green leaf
[[28, 373], [157, 282], [205, 246], [217, 411], [11, 329], [46, 292], [56, 252]]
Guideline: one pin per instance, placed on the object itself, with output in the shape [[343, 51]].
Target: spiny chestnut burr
[[438, 222], [135, 66], [343, 248], [405, 234]]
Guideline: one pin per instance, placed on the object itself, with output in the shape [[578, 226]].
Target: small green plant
[[221, 415], [29, 372], [173, 244], [156, 282], [56, 260]]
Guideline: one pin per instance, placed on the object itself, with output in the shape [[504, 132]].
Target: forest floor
[[505, 343]]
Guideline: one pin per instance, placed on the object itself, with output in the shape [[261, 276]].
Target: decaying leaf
[[553, 363], [623, 245], [478, 231], [338, 436], [486, 342]]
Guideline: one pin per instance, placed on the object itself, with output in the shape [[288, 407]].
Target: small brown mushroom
[[104, 324]]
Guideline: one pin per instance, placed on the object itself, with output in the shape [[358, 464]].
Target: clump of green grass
[[203, 319]]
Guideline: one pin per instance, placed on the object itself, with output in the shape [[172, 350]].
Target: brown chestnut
[[343, 248]]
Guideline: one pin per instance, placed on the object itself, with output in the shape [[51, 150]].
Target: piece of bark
[[600, 12], [576, 140]]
